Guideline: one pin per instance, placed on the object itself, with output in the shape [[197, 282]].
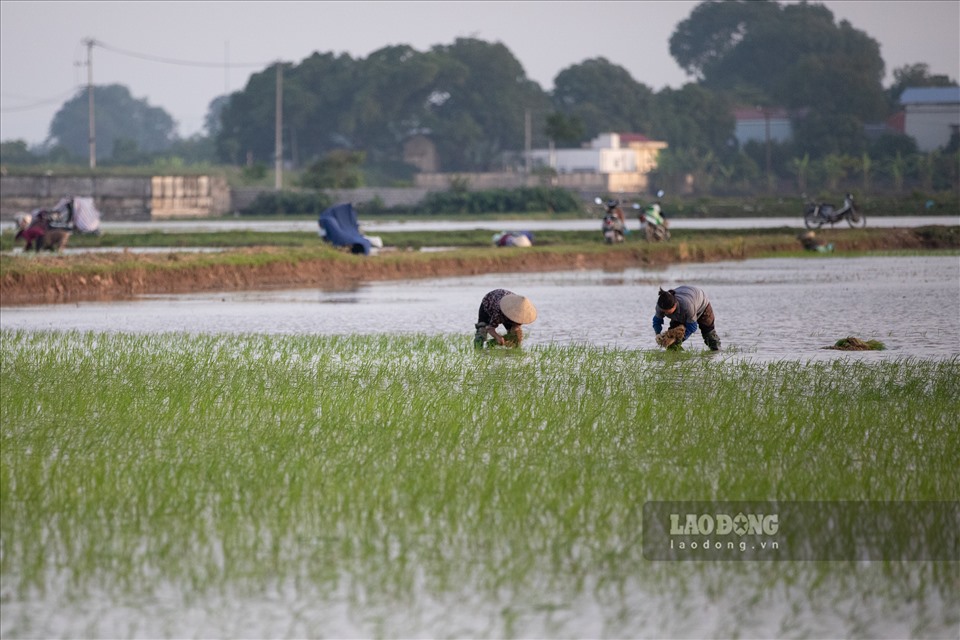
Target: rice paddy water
[[767, 309]]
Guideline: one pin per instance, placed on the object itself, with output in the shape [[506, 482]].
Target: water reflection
[[766, 309]]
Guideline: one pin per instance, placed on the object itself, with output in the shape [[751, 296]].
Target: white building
[[932, 115], [613, 161], [610, 163]]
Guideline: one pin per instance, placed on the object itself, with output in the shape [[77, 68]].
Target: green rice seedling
[[398, 474]]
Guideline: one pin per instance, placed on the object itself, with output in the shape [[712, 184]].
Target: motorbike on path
[[652, 221], [614, 225], [817, 214]]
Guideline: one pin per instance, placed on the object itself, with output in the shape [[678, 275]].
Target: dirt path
[[126, 275]]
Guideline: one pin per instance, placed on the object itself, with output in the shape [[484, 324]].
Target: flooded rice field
[[226, 486], [767, 309]]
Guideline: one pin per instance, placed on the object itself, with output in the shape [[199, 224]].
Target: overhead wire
[[134, 54], [42, 102], [186, 63]]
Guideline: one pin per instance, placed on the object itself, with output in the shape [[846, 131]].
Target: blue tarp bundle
[[339, 224]]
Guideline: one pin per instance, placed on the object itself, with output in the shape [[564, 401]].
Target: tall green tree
[[604, 97], [396, 86], [118, 116], [821, 134], [212, 122], [915, 75], [470, 97], [248, 119], [703, 43], [564, 130], [339, 169], [694, 118], [16, 152], [794, 54], [480, 104]]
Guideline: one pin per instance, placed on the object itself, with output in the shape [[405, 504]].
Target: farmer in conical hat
[[688, 309], [502, 307]]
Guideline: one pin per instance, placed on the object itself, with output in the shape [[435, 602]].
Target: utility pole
[[766, 117], [278, 153], [91, 121], [226, 68], [765, 110], [526, 142]]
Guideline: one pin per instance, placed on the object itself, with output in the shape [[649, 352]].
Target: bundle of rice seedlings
[[851, 343], [513, 338], [671, 338], [510, 340]]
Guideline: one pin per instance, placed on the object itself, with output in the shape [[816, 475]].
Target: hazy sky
[[42, 55]]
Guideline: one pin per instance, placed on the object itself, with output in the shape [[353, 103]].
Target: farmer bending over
[[688, 309], [37, 234], [507, 308]]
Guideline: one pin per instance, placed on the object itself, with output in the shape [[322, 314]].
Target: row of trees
[[929, 172], [346, 119]]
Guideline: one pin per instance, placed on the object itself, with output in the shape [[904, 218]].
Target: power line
[[41, 103], [185, 63]]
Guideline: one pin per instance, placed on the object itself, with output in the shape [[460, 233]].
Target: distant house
[[421, 152], [931, 115], [758, 124], [647, 150], [611, 161]]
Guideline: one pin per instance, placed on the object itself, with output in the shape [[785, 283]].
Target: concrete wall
[[188, 197], [119, 198], [173, 197], [163, 197]]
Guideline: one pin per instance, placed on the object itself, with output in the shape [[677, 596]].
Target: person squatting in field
[[688, 309], [37, 235], [501, 306]]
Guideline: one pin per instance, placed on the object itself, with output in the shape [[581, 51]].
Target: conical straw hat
[[518, 309]]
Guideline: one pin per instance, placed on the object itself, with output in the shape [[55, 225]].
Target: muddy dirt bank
[[122, 276]]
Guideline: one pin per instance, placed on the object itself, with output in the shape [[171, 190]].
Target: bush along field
[[170, 485]]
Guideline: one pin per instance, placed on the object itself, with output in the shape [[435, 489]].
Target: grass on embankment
[[132, 462], [257, 248], [477, 238]]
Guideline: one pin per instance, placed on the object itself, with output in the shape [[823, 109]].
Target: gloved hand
[[671, 337]]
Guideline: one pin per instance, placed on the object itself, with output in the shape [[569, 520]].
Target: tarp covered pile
[[79, 214], [339, 227]]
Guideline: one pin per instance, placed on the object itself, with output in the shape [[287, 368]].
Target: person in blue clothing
[[688, 310]]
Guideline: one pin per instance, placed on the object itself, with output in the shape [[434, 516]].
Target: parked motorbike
[[614, 225], [817, 214], [652, 222]]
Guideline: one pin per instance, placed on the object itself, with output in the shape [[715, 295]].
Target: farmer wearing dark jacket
[[507, 308], [688, 309]]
